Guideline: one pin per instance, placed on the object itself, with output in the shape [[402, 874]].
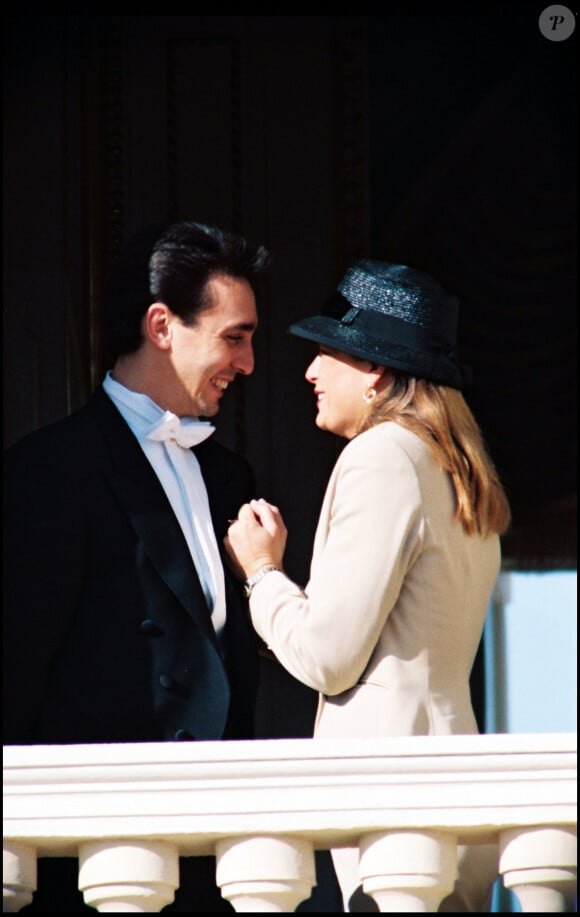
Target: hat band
[[382, 327]]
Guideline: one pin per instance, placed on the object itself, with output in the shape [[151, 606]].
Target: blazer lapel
[[140, 493]]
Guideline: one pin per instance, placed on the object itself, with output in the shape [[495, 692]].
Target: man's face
[[207, 355]]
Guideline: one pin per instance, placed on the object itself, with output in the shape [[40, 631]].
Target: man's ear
[[157, 325]]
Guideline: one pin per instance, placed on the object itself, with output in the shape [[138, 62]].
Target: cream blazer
[[387, 627]]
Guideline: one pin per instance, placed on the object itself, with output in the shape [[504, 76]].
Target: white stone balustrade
[[129, 811]]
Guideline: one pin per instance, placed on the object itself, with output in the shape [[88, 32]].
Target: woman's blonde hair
[[440, 416]]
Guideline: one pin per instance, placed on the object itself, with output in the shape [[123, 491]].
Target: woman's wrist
[[259, 575]]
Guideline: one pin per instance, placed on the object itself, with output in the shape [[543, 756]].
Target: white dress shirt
[[159, 433]]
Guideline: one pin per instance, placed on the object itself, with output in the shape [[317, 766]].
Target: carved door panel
[[254, 123]]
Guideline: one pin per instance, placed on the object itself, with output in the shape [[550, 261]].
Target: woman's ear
[[157, 325], [376, 374]]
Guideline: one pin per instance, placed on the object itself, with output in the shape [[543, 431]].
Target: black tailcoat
[[107, 634]]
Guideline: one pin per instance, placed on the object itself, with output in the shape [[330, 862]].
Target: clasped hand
[[256, 538]]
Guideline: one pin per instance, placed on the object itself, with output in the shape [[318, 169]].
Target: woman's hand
[[257, 538]]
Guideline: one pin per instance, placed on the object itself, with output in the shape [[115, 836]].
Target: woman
[[406, 552]]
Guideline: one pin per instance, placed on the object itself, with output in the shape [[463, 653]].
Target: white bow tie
[[185, 431]]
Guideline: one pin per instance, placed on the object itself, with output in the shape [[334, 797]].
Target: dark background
[[444, 138]]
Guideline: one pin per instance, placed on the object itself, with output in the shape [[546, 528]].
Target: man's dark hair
[[172, 263]]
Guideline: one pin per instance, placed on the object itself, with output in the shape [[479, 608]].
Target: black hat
[[395, 316]]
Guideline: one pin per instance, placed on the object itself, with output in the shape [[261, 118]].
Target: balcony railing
[[129, 811]]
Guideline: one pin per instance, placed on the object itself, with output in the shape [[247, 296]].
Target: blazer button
[[150, 628], [177, 689], [182, 734]]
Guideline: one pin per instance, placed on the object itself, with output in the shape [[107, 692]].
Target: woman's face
[[339, 381]]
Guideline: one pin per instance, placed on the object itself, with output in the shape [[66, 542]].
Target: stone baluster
[[19, 874], [408, 870], [121, 876], [258, 874], [540, 865]]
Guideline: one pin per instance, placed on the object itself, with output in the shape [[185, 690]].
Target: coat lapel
[[139, 491]]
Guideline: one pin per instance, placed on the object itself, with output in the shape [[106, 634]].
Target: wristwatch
[[251, 582]]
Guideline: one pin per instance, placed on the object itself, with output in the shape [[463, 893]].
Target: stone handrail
[[128, 811]]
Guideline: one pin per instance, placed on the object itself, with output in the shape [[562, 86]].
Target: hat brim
[[322, 329]]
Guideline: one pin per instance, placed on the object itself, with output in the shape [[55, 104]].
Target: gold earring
[[369, 394]]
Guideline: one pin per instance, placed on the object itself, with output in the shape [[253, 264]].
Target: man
[[121, 623]]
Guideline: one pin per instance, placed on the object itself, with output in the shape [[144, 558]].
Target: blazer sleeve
[[369, 533]]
